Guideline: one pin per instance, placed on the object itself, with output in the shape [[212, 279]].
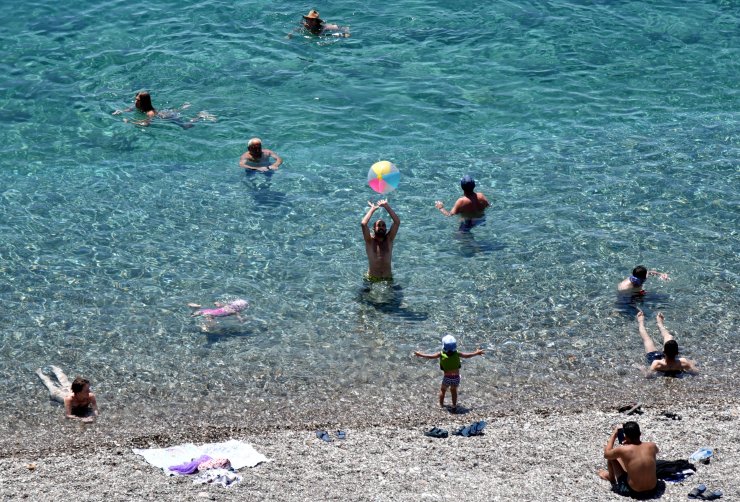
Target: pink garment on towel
[[215, 463]]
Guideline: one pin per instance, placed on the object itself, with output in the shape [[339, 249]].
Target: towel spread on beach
[[239, 453]]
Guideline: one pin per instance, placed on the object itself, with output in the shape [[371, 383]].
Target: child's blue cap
[[449, 344]]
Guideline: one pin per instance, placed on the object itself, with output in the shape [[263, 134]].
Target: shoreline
[[524, 454]]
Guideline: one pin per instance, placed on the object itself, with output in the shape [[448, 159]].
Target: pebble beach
[[528, 454]]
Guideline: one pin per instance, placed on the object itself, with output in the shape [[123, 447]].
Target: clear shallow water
[[605, 136]]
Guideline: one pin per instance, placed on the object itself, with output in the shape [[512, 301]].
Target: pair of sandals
[[475, 429], [701, 493]]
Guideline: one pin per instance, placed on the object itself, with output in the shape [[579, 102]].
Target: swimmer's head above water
[[255, 147], [143, 102], [670, 349], [639, 275], [380, 228], [312, 22], [467, 183]]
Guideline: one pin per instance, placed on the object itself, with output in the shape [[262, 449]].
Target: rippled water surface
[[605, 134]]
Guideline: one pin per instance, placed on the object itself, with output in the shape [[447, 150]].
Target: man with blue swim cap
[[471, 206]]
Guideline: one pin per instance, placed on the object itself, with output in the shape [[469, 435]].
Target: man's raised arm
[[396, 220], [366, 220]]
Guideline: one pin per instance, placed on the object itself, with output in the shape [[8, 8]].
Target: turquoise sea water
[[605, 134]]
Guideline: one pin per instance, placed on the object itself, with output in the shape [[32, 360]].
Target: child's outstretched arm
[[427, 356], [468, 355]]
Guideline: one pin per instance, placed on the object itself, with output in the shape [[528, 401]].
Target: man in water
[[631, 466], [317, 26], [667, 362], [379, 244], [258, 159], [633, 284], [471, 206]]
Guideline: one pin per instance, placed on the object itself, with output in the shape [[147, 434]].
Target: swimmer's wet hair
[[670, 348], [79, 383], [640, 272]]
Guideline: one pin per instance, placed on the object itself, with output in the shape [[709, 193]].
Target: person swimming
[[470, 207], [317, 26], [143, 104], [222, 310]]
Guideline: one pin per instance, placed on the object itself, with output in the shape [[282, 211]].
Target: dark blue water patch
[[472, 245], [649, 303], [387, 297], [260, 186]]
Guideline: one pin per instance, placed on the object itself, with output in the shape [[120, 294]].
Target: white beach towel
[[239, 453]]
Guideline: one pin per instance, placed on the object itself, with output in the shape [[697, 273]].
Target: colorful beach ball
[[383, 177]]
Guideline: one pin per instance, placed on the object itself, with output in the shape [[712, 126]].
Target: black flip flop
[[710, 495], [436, 432], [697, 491]]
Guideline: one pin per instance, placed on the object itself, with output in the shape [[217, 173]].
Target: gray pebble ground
[[538, 455]]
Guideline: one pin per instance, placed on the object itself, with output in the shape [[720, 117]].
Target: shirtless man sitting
[[379, 244], [667, 362], [471, 206], [631, 466]]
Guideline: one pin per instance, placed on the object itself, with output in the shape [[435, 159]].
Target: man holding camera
[[631, 465]]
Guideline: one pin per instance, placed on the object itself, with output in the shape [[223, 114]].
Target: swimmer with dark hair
[[143, 104], [633, 283], [79, 403], [665, 362], [470, 207]]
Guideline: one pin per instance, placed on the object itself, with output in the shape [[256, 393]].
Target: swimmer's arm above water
[[455, 209], [243, 163], [427, 356], [278, 160], [439, 205], [396, 220], [366, 220], [661, 275]]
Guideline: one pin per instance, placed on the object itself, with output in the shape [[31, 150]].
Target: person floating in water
[[379, 244], [260, 159], [666, 362], [449, 363], [221, 310], [79, 403], [317, 26], [143, 104], [633, 284], [471, 206]]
